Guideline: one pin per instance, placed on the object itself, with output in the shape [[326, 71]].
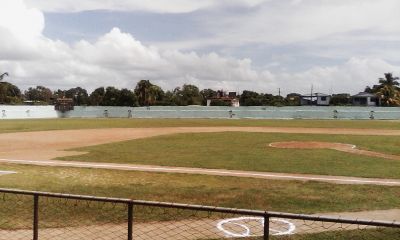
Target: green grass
[[249, 151], [61, 124], [287, 196]]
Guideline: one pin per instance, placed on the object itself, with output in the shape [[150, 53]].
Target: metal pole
[[130, 221], [266, 227], [35, 217]]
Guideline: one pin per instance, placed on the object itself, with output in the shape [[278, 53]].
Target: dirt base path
[[212, 172]]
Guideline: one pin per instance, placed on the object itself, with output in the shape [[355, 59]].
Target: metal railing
[[42, 215]]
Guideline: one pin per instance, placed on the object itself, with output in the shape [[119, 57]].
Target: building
[[318, 99], [365, 99], [230, 98]]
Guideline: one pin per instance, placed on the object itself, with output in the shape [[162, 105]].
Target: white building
[[365, 99], [318, 99]]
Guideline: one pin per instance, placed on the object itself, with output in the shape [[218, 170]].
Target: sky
[[336, 46]]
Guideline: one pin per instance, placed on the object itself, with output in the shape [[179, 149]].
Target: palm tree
[[388, 90], [390, 96], [3, 75], [142, 90], [389, 80], [154, 94]]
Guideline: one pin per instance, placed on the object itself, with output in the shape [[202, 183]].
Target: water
[[297, 112]]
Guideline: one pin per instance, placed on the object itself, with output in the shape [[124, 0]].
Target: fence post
[[130, 221], [266, 226], [35, 217]]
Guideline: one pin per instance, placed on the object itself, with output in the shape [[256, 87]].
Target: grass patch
[[273, 195], [62, 124], [249, 151]]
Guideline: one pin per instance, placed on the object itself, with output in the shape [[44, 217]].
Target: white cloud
[[288, 21], [162, 6], [120, 60]]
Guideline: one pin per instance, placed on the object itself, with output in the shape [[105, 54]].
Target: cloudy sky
[[261, 45]]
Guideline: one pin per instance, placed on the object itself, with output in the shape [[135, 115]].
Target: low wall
[[31, 112]]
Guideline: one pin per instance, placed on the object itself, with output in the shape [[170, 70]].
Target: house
[[318, 99], [365, 99]]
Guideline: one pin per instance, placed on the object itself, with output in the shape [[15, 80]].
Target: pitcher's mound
[[312, 145]]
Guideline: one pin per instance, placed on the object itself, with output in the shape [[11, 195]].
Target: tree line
[[146, 93]]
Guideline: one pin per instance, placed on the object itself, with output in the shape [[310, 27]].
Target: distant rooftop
[[316, 95], [364, 94]]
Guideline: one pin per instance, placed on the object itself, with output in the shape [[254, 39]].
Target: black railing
[[65, 216]]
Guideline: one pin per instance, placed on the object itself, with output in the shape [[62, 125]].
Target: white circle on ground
[[246, 229]]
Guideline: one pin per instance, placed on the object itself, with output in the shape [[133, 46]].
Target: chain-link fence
[[37, 215]]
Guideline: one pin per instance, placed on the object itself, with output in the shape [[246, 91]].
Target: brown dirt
[[200, 228], [348, 148]]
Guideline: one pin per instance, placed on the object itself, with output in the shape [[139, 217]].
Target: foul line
[[231, 173]]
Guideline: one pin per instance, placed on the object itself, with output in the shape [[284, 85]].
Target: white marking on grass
[[247, 231], [200, 171], [7, 172]]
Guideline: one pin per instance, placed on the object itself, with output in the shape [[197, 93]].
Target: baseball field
[[346, 168]]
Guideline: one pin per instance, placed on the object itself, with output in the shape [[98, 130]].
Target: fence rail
[[41, 215]]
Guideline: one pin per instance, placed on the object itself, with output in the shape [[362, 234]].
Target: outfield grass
[[273, 195], [61, 124], [250, 151]]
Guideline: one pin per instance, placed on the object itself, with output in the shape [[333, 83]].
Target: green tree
[[9, 93], [96, 97], [168, 99], [39, 94], [155, 95], [111, 97], [250, 98], [127, 98], [187, 95], [389, 96], [147, 93], [142, 92], [389, 80], [387, 91], [79, 96], [342, 99], [207, 94]]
